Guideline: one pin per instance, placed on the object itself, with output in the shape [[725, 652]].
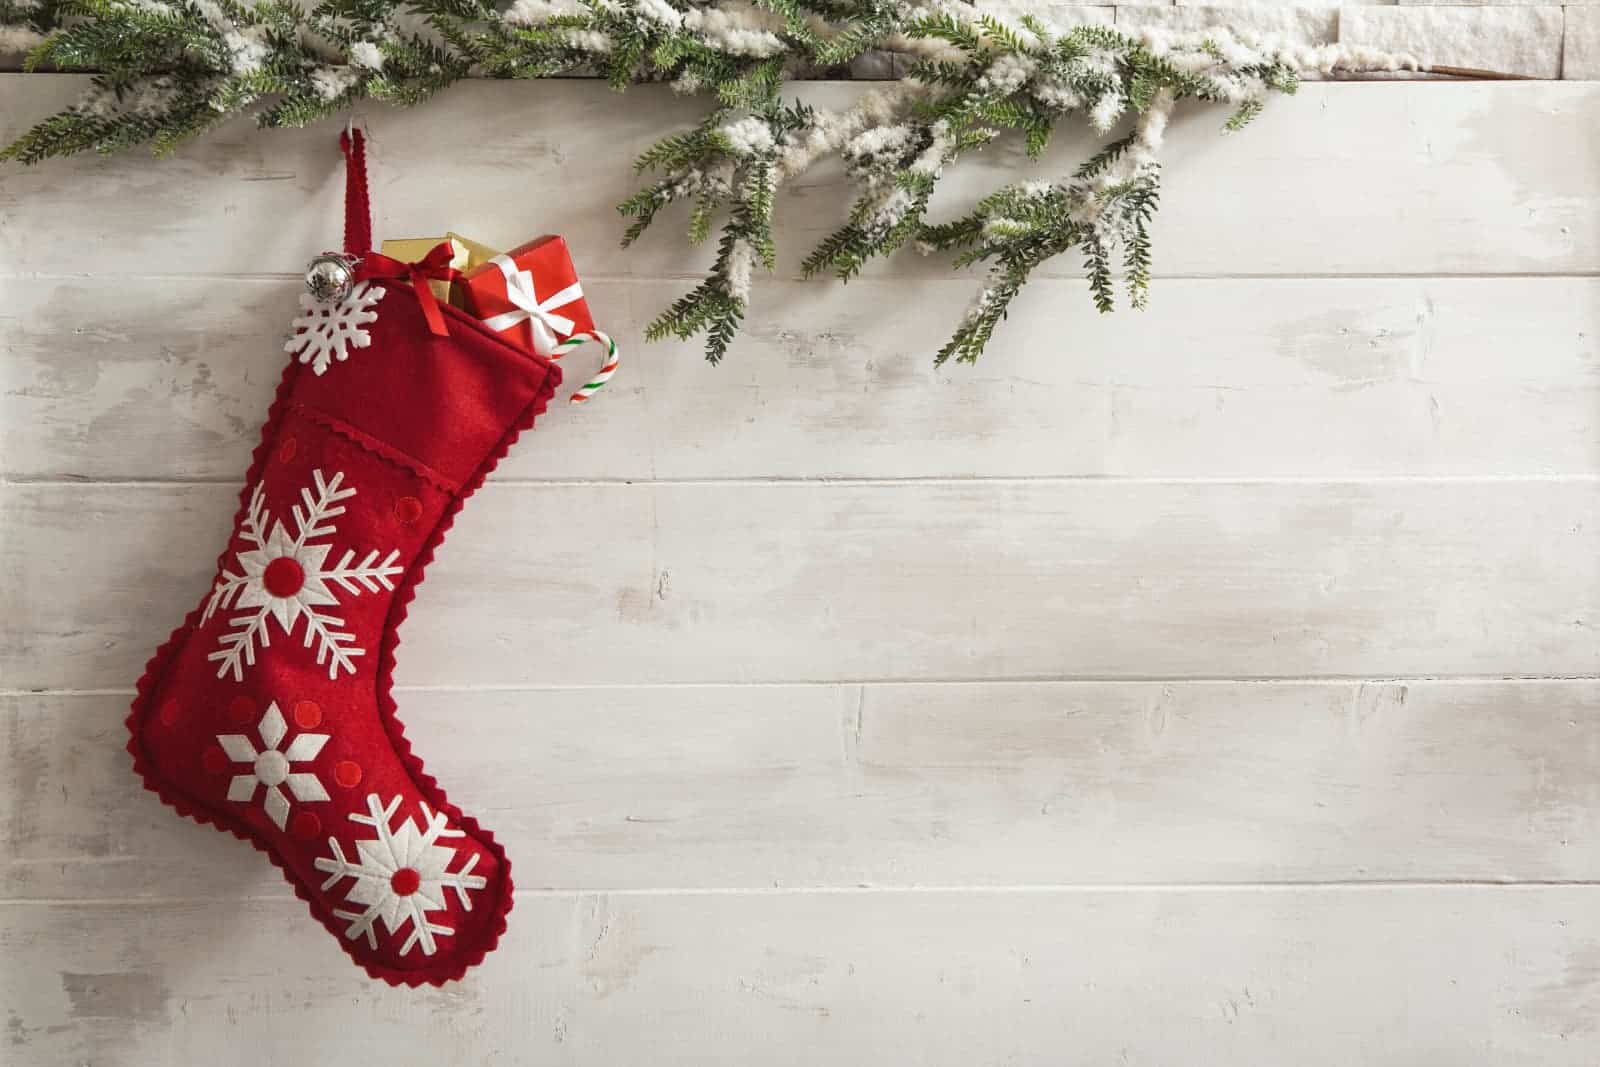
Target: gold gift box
[[477, 254], [467, 255]]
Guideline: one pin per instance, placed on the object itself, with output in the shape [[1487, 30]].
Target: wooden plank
[[899, 785], [662, 826], [151, 378], [1378, 977], [1381, 178], [706, 582]]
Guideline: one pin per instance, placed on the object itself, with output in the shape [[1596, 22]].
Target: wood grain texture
[[110, 378], [1502, 170], [894, 581], [1224, 978], [901, 785], [1213, 686]]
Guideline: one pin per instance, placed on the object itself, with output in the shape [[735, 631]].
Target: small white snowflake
[[286, 577], [400, 876], [272, 767], [325, 332]]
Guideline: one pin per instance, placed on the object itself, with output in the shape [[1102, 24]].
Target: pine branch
[[170, 70]]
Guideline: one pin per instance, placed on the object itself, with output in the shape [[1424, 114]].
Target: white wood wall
[[1213, 685]]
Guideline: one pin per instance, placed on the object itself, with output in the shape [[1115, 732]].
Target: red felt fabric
[[357, 207], [412, 423]]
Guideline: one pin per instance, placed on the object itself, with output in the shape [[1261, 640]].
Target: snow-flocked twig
[[171, 69]]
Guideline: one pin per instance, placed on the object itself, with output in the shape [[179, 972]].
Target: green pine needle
[[166, 71]]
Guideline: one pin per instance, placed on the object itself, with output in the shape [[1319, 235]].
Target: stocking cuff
[[438, 403]]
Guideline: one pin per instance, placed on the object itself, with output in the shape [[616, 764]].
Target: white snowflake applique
[[400, 876], [326, 330], [273, 766], [287, 577]]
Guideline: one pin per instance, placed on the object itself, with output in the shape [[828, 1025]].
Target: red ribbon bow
[[436, 264]]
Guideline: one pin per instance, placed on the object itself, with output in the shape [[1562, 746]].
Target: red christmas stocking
[[268, 713]]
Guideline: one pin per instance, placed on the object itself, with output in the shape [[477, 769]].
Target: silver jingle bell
[[330, 277]]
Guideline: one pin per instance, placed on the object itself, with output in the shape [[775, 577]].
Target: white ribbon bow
[[547, 326]]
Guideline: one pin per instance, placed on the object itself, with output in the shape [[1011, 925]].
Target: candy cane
[[603, 375]]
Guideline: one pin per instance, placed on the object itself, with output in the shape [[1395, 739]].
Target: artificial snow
[[534, 12], [331, 83], [661, 13], [749, 136], [741, 265], [366, 54], [1517, 40], [737, 28]]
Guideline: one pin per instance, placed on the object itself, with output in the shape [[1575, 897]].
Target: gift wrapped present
[[530, 295], [466, 254], [477, 254]]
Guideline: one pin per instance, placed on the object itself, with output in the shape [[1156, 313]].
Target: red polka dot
[[405, 881], [214, 760], [287, 450], [347, 773], [308, 714], [283, 577], [305, 824], [169, 712], [242, 709], [408, 509]]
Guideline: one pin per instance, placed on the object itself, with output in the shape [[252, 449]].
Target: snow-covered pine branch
[[981, 71]]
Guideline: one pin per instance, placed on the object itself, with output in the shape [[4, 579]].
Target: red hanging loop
[[357, 207], [358, 238]]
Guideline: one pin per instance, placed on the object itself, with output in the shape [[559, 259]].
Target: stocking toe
[[416, 895]]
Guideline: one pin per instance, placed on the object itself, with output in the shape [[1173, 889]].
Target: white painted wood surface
[[1216, 685], [1323, 977]]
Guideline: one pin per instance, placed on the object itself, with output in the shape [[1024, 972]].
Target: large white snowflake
[[287, 577], [400, 876], [273, 766], [326, 331]]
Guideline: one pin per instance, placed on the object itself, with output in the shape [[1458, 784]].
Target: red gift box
[[530, 294]]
